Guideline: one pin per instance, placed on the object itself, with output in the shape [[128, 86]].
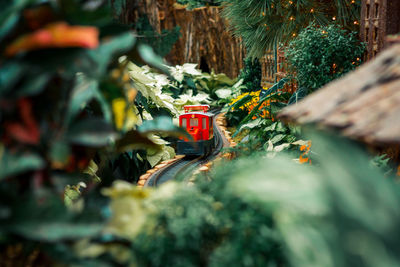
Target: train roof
[[208, 114]]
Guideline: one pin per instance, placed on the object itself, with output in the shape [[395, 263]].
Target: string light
[[334, 18]]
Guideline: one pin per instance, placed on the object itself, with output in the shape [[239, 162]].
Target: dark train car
[[198, 122]]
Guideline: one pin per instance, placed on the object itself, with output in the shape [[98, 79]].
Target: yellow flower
[[123, 115]]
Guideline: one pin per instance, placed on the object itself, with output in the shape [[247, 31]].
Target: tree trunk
[[205, 39]]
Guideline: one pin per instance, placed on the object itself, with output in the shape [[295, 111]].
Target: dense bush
[[251, 75], [265, 212], [321, 54]]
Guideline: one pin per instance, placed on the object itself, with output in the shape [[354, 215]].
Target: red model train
[[198, 122]]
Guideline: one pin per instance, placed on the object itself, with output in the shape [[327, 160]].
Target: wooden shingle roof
[[364, 104]]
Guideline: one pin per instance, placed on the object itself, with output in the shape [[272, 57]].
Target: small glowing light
[[312, 10], [334, 18]]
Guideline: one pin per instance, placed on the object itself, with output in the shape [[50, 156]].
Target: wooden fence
[[379, 18], [274, 68]]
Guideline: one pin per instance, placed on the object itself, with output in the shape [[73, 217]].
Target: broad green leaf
[[273, 89], [84, 91], [134, 140], [280, 127], [93, 132], [241, 102], [221, 78], [147, 55], [271, 127], [34, 85], [14, 164], [56, 231], [110, 48], [277, 138], [10, 74], [250, 125], [7, 23], [298, 95], [59, 152], [162, 125], [10, 14], [255, 110], [238, 84]]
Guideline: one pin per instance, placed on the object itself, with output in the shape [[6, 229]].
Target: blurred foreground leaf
[[57, 231], [162, 125], [13, 164], [94, 132]]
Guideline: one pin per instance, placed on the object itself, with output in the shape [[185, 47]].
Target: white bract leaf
[[300, 143], [281, 147], [191, 69], [224, 93], [250, 125]]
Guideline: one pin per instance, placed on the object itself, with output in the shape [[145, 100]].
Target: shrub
[[321, 54], [265, 212], [251, 75]]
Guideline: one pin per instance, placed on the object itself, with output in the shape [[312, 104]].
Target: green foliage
[[383, 163], [257, 211], [65, 121], [163, 42], [253, 117], [251, 75], [298, 95], [321, 54], [197, 3], [263, 24]]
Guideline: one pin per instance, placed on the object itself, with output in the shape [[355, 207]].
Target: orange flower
[[303, 159], [56, 35]]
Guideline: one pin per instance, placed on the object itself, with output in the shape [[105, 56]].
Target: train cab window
[[194, 122], [183, 123], [204, 123]]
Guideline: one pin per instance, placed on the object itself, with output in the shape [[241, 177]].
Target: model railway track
[[185, 166]]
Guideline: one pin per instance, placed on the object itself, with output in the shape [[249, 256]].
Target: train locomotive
[[198, 122]]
